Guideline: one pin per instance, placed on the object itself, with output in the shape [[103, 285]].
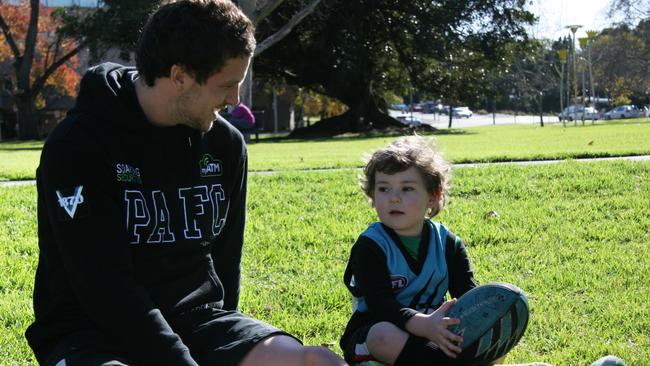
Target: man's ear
[[178, 77]]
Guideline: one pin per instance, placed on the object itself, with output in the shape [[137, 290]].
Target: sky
[[555, 15]]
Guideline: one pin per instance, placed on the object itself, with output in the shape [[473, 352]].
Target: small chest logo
[[70, 203], [398, 282], [210, 167], [127, 174]]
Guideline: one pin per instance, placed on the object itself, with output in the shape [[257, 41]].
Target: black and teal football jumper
[[388, 284]]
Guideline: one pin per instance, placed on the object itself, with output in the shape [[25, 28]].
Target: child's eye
[[382, 189], [407, 189]]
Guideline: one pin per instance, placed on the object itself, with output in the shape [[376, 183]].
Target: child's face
[[402, 200]]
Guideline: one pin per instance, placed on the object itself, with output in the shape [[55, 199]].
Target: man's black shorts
[[214, 337]]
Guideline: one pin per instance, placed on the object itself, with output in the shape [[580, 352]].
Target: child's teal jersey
[[418, 291]]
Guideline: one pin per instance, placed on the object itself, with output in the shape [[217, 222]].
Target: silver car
[[578, 112], [623, 111]]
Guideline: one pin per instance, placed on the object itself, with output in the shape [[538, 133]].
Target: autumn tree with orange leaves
[[40, 57]]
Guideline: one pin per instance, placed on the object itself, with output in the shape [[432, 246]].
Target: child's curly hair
[[403, 153]]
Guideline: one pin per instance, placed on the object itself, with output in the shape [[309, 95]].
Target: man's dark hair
[[199, 35]]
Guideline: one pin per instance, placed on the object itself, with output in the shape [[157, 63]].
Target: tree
[[258, 10], [359, 51], [40, 57], [630, 10], [621, 63]]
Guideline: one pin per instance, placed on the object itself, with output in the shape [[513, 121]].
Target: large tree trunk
[[27, 117], [358, 119]]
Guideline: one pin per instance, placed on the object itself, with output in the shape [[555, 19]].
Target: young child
[[401, 268]]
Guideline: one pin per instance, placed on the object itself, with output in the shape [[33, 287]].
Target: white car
[[623, 111], [410, 121], [461, 112], [579, 112]]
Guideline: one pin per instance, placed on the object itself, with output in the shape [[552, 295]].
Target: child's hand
[[438, 333]]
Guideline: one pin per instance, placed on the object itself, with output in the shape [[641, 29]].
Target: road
[[442, 120]]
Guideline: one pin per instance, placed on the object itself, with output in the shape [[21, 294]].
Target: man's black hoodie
[[137, 224]]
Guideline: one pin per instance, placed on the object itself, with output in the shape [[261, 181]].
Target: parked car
[[410, 121], [459, 112], [399, 107], [578, 112], [623, 111]]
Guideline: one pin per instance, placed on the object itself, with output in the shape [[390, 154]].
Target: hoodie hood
[[106, 92]]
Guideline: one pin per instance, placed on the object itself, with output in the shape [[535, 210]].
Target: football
[[493, 319]]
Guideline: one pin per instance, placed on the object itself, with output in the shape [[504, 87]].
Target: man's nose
[[232, 98]]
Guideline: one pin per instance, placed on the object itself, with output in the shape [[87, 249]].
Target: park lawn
[[478, 144], [574, 236], [19, 159]]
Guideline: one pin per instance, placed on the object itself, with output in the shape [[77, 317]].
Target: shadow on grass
[[370, 134], [30, 145]]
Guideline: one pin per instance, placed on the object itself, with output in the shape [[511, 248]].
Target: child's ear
[[434, 198]]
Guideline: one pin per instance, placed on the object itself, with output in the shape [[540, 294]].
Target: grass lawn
[[485, 144], [574, 236]]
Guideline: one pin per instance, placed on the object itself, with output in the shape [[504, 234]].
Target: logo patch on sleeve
[[71, 202]]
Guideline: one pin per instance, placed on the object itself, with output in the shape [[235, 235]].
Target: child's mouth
[[395, 212]]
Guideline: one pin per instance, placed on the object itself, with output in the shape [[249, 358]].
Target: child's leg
[[282, 350], [385, 342], [391, 345]]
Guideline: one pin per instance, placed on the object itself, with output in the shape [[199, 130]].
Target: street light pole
[[574, 28], [562, 56], [591, 35]]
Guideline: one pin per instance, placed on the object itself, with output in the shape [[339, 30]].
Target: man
[[141, 208]]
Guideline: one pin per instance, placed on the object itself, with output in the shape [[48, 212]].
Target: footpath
[[460, 165]]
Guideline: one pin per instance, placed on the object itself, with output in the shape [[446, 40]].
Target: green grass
[[484, 144], [574, 236], [18, 160]]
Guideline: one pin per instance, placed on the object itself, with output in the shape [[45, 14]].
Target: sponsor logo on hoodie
[[127, 174], [210, 167]]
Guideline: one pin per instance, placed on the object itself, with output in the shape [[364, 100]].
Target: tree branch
[[265, 10], [9, 38], [286, 29], [40, 82]]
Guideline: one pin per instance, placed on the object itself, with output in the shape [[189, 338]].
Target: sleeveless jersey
[[416, 291]]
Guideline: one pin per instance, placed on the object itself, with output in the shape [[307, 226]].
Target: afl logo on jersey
[[398, 282]]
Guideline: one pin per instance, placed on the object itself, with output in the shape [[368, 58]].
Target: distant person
[[401, 268], [241, 117], [141, 209]]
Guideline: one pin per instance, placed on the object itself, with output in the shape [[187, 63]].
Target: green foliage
[[574, 236], [621, 99]]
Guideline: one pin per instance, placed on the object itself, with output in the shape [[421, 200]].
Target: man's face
[[197, 105]]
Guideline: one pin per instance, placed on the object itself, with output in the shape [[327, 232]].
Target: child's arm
[[372, 281], [434, 328], [461, 276]]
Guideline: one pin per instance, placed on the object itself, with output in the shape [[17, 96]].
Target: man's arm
[[85, 217], [227, 248]]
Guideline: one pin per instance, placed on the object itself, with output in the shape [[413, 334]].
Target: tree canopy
[[360, 51]]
